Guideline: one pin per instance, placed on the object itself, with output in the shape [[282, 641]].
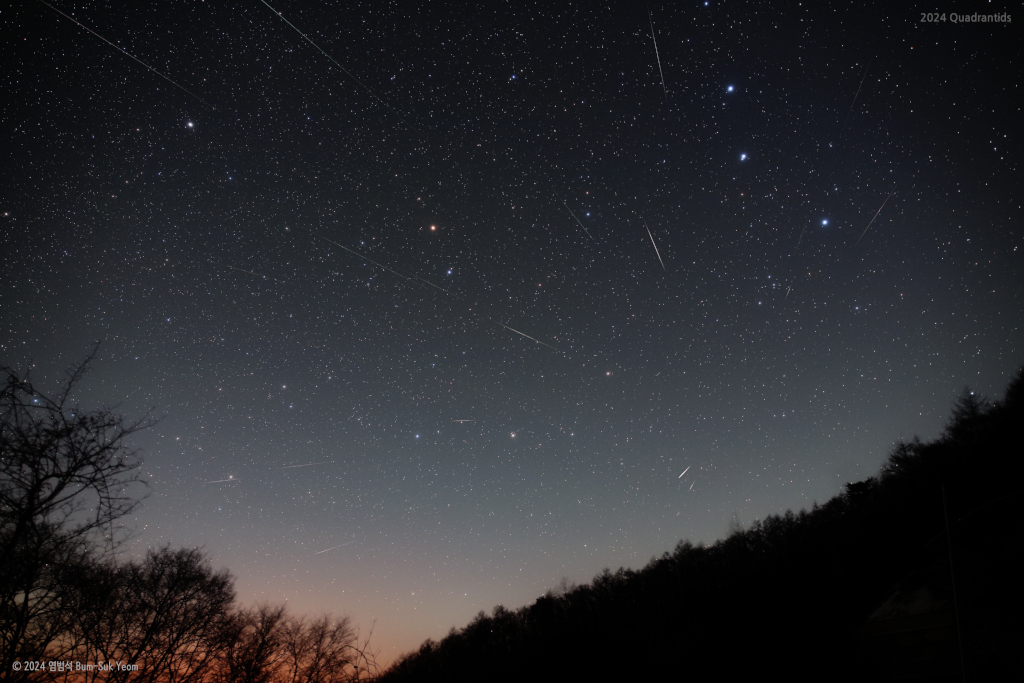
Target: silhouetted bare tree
[[318, 651], [167, 615], [65, 482], [66, 479], [267, 645], [255, 646]]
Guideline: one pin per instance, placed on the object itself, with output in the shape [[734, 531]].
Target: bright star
[[743, 157], [729, 89], [824, 221]]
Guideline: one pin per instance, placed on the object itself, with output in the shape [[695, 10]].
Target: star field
[[430, 340]]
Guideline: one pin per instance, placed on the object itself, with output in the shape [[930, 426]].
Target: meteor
[[321, 552], [574, 216], [691, 485], [875, 216], [415, 278], [528, 337], [684, 472], [130, 56], [220, 481], [376, 263], [855, 96], [308, 464], [655, 245], [658, 56], [346, 71]]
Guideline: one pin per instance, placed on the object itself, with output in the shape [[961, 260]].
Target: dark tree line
[[67, 480], [789, 597]]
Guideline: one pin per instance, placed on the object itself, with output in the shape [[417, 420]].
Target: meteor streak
[[321, 552], [376, 263], [529, 337], [129, 55], [308, 464], [855, 96], [220, 481], [347, 72], [655, 245], [415, 278], [658, 56], [463, 420], [684, 471], [875, 216], [691, 485], [574, 216]]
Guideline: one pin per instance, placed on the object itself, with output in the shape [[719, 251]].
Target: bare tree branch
[[66, 479]]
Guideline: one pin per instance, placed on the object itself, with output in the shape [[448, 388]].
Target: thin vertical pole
[[952, 576]]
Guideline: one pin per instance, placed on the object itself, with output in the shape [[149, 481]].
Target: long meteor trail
[[574, 216], [346, 71], [130, 55], [308, 464], [376, 263], [855, 96], [875, 216], [655, 245], [528, 337], [321, 552], [415, 278], [658, 56]]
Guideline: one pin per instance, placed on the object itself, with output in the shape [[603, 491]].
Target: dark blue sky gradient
[[776, 356]]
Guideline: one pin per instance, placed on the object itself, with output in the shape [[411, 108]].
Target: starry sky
[[437, 301]]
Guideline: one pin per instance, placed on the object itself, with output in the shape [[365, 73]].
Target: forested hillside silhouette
[[868, 586]]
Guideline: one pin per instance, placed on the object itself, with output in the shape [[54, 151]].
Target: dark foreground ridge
[[868, 586]]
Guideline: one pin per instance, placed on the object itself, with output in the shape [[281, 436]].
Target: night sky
[[415, 350]]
